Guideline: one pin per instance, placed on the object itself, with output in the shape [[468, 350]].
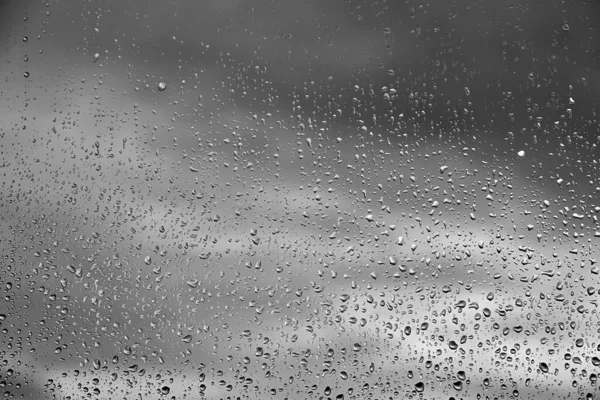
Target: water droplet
[[565, 27], [162, 86], [544, 367], [420, 387], [521, 154], [356, 347], [148, 260], [591, 290], [193, 283], [165, 390], [96, 57]]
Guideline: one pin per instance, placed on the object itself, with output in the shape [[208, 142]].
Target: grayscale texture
[[320, 199]]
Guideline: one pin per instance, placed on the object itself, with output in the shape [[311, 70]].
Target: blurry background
[[299, 198]]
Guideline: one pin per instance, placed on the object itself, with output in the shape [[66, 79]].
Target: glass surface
[[299, 199]]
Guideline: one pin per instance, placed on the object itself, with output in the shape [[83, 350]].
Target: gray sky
[[275, 175]]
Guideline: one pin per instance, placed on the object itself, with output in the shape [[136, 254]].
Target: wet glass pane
[[299, 199]]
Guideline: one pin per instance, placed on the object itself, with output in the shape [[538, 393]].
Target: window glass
[[320, 199]]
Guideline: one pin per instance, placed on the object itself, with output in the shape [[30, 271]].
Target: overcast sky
[[303, 157]]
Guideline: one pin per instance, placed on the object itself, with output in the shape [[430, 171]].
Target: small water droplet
[[193, 283], [162, 86], [591, 290], [521, 154]]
